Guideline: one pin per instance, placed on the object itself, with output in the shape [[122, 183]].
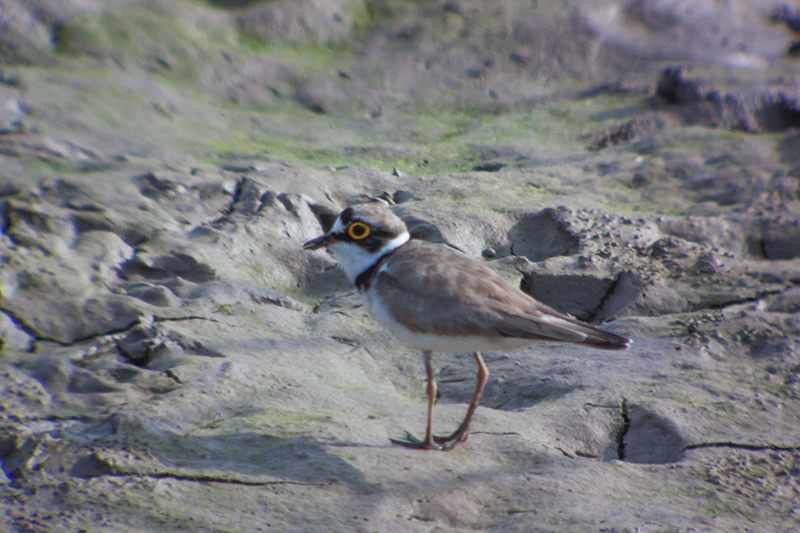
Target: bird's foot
[[452, 439], [410, 441], [436, 443]]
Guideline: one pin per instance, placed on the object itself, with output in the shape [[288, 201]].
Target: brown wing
[[436, 289]]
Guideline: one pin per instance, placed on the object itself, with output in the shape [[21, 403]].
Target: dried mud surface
[[173, 361]]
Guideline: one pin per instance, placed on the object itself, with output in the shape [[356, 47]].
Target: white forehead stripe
[[338, 227]]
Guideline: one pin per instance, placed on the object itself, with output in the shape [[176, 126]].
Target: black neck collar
[[365, 279]]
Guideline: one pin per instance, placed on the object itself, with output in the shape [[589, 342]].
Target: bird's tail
[[597, 338], [593, 336]]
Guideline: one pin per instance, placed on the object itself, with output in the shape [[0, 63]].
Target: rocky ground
[[171, 359]]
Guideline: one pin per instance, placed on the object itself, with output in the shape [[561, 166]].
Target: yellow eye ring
[[358, 231]]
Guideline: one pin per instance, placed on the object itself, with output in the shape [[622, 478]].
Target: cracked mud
[[170, 359]]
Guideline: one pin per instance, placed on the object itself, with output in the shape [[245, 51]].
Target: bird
[[437, 299]]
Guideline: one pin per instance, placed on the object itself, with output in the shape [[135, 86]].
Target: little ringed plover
[[438, 299]]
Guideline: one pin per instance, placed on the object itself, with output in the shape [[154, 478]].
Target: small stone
[[489, 166], [639, 180]]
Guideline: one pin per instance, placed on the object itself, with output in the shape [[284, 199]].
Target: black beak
[[320, 242]]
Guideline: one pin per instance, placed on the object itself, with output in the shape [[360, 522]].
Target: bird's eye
[[358, 231]]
